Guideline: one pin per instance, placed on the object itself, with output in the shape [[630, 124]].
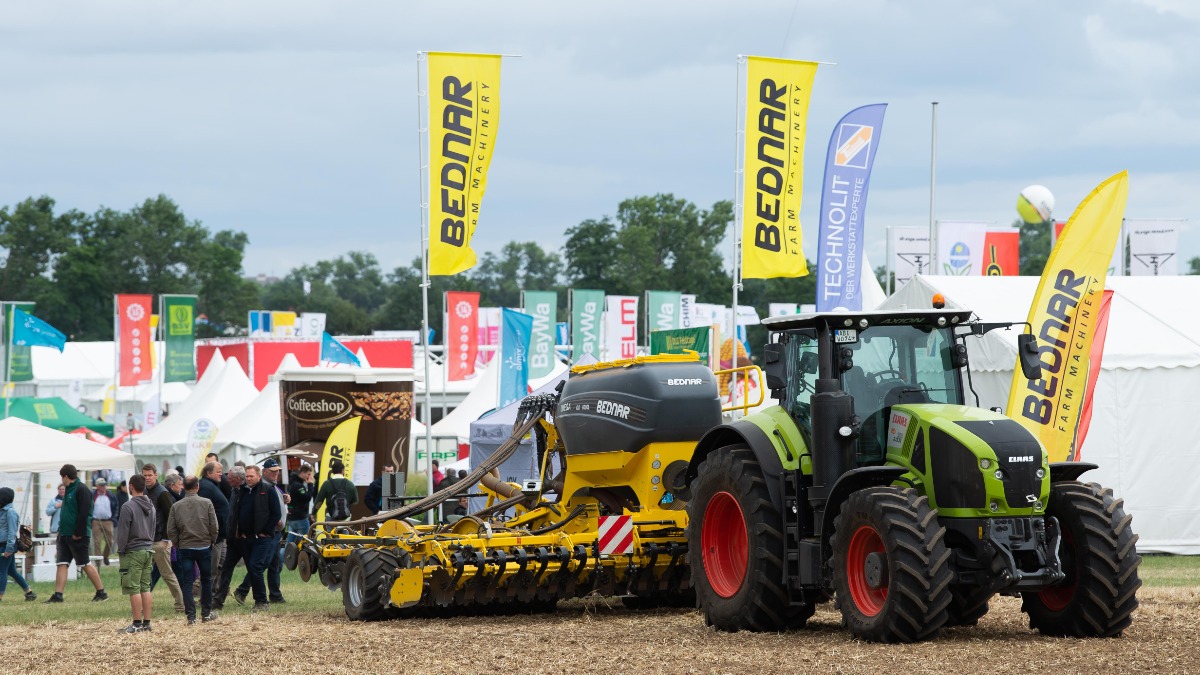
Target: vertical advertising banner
[[840, 236], [342, 444], [1001, 255], [1153, 248], [687, 310], [1064, 317], [1116, 267], [133, 338], [200, 438], [179, 338], [777, 93], [462, 334], [464, 116], [543, 307], [489, 334], [662, 310], [18, 366], [910, 253], [312, 324], [514, 356], [960, 247], [587, 309], [620, 327]]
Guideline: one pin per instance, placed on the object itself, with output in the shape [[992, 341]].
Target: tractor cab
[[880, 359]]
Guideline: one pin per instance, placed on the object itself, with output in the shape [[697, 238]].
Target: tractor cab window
[[802, 380]]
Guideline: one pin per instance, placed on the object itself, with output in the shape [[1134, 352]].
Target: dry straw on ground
[[601, 636]]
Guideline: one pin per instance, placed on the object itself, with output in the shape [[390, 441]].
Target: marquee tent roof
[[55, 413], [257, 424], [25, 446], [219, 400], [172, 393]]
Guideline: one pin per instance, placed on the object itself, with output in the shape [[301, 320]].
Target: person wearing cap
[[104, 510]]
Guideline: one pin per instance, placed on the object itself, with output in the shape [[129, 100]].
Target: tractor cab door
[[801, 354]]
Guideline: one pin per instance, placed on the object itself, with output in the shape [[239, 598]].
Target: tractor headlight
[[1040, 474], [985, 463]]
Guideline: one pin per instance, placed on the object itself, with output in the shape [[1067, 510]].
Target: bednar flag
[[777, 93], [1085, 418], [1064, 317], [462, 334], [341, 444], [464, 114], [133, 338], [1002, 253]]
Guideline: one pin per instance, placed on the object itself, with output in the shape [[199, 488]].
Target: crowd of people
[[190, 532]]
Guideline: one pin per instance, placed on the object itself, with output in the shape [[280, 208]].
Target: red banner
[[1094, 359], [1002, 254], [133, 338], [462, 334]]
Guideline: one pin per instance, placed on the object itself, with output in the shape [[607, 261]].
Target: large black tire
[[736, 547], [968, 604], [1100, 558], [367, 582], [891, 567]]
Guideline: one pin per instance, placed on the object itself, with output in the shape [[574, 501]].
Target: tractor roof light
[[954, 319], [863, 323], [941, 321], [848, 323], [939, 301]]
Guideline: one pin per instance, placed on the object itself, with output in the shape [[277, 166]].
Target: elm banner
[[777, 93], [464, 116], [587, 311], [543, 307], [620, 327], [841, 232], [179, 337]]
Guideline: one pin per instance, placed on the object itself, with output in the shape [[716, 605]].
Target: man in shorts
[[74, 529], [135, 541]]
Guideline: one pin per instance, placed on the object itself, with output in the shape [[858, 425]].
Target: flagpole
[[422, 140], [8, 347], [738, 133], [890, 253], [933, 190]]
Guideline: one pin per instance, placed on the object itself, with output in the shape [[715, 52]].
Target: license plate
[[845, 335]]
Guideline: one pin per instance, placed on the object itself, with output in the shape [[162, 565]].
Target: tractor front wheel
[[891, 566], [1100, 559], [366, 583]]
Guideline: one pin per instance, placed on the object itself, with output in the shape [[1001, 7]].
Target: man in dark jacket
[[235, 551], [74, 526], [222, 480], [301, 490], [135, 539], [211, 479], [254, 513], [163, 501], [373, 498], [192, 527]]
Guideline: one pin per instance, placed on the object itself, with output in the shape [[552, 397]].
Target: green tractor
[[873, 483]]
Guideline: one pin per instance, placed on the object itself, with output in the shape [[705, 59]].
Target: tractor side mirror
[[958, 355], [1027, 355], [808, 363], [775, 367]]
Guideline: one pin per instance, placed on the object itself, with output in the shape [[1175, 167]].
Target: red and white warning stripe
[[616, 535]]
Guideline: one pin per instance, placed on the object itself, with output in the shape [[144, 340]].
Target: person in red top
[[437, 473]]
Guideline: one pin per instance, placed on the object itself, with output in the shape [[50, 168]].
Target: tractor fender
[[852, 481], [739, 433], [1061, 472]]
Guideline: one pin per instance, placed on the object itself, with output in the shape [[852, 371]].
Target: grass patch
[[1170, 571], [302, 598]]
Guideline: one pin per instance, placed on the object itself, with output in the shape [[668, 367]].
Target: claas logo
[[854, 145]]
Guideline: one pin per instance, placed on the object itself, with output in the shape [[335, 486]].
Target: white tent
[[211, 375], [257, 424], [1146, 400], [482, 399], [219, 401], [33, 447]]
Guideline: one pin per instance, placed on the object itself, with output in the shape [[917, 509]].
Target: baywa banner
[[1064, 317], [179, 337], [543, 307], [464, 115], [840, 236], [18, 366], [777, 94], [681, 341], [587, 310], [662, 310]]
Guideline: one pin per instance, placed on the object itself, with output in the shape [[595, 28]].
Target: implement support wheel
[[366, 583]]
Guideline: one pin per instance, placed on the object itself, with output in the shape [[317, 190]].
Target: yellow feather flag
[[464, 116], [777, 93], [1063, 316], [341, 444]]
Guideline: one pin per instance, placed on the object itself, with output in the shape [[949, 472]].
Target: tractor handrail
[[746, 405]]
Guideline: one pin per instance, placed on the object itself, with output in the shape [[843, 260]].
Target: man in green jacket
[[74, 529], [337, 493]]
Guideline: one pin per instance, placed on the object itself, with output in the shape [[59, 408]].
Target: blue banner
[[840, 237], [336, 352], [515, 333], [30, 331]]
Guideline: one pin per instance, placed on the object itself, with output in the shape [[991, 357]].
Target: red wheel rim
[[723, 538], [863, 543], [1056, 598]]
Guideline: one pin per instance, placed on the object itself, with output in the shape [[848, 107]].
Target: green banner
[[543, 307], [19, 366], [681, 340], [662, 310], [587, 308], [179, 337]]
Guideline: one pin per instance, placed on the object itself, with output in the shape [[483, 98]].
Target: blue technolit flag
[[336, 352], [30, 331], [515, 334], [840, 237]]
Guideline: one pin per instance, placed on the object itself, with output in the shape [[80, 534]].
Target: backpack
[[24, 538], [339, 505]]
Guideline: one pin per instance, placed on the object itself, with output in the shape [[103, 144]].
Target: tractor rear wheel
[[1100, 559], [891, 566], [735, 545], [367, 582]]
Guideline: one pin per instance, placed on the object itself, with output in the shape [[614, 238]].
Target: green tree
[[1035, 246], [225, 295], [32, 238], [1194, 265], [591, 253]]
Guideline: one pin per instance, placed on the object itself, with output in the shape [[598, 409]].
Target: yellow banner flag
[[777, 93], [341, 444], [464, 114], [1063, 316]]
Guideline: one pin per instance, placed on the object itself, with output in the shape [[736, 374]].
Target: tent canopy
[[218, 400], [55, 413], [258, 424], [26, 446]]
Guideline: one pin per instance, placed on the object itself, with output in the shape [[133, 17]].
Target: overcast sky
[[296, 121]]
